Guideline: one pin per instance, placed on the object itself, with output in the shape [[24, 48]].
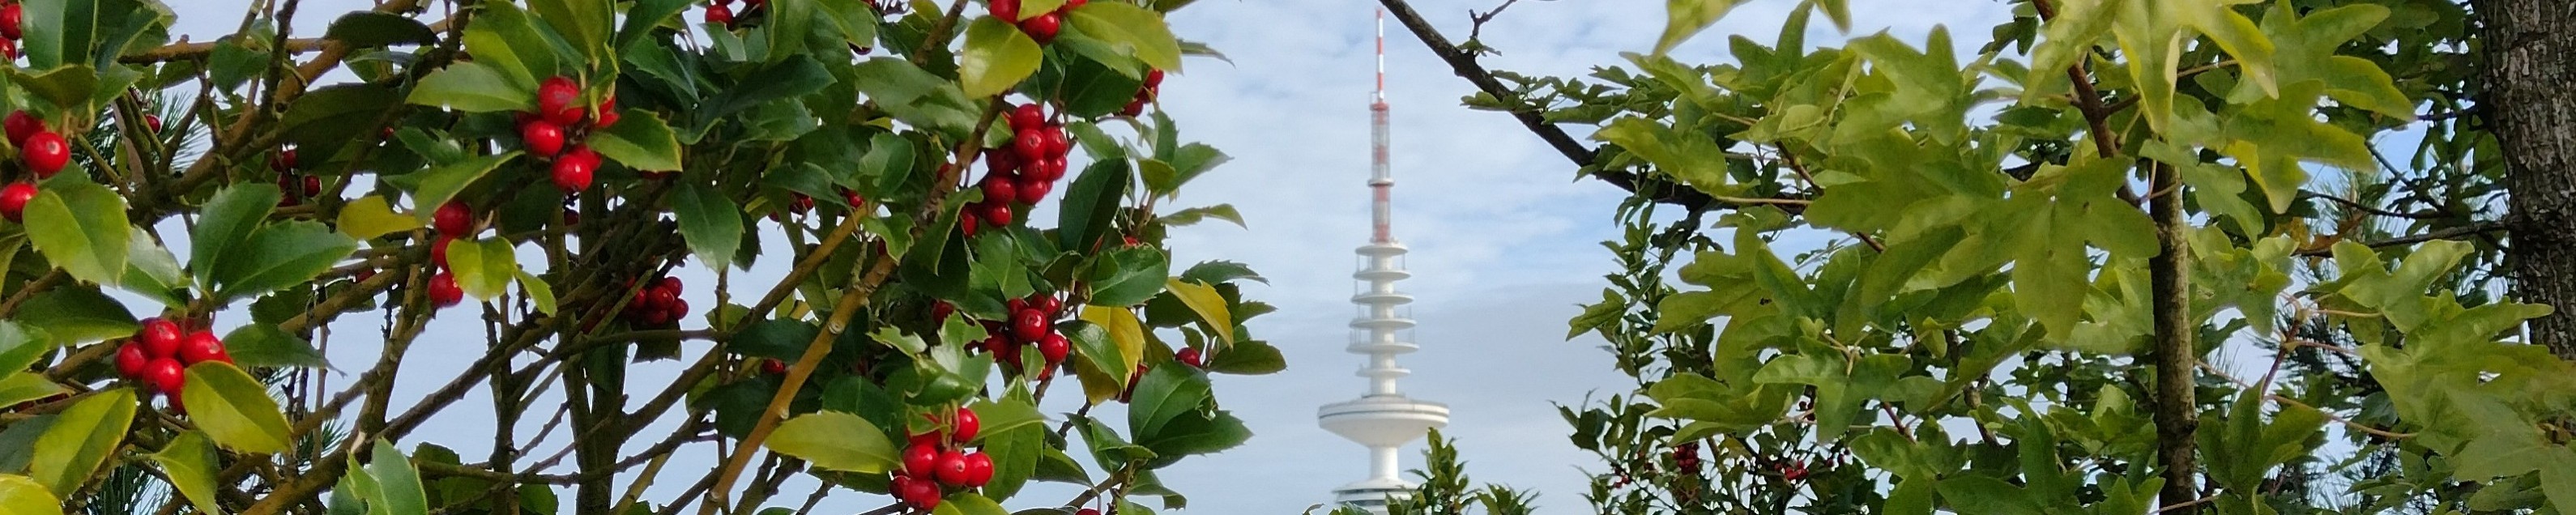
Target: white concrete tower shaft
[[1383, 419]]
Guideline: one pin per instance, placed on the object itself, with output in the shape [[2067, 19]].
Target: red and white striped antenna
[[1381, 176]]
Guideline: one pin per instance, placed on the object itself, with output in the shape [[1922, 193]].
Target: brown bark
[[2529, 48], [2177, 413]]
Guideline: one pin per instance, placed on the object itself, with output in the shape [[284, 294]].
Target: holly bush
[[884, 317], [2119, 257]]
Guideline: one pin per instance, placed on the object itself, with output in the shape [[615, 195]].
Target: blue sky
[[1503, 238]]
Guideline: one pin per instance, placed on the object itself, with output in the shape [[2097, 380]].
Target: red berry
[[285, 161], [21, 125], [998, 212], [1030, 325], [1054, 347], [930, 439], [1070, 4], [1131, 240], [920, 459], [678, 308], [1048, 304], [773, 367], [14, 199], [46, 152], [443, 290], [1087, 511], [152, 122], [573, 171], [1007, 10], [1015, 305], [312, 185], [1056, 142], [544, 138], [720, 15], [921, 494], [164, 375], [131, 359], [939, 311], [1042, 27], [607, 113], [9, 19], [202, 346], [1033, 190], [979, 469], [1134, 107], [1153, 79], [951, 468], [1002, 189], [1030, 145], [966, 222], [160, 338], [1001, 163], [9, 48], [963, 429], [670, 283], [438, 250], [1028, 117], [558, 100], [1189, 356], [660, 297], [453, 219]]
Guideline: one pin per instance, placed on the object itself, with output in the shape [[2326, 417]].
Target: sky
[[1503, 237]]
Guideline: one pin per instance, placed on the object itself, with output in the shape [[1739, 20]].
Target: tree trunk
[[2529, 47]]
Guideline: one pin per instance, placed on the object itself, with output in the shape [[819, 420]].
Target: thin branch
[[2438, 234], [2366, 208]]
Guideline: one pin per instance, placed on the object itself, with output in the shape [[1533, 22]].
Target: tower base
[[1371, 495]]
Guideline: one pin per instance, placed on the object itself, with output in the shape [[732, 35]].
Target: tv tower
[[1384, 419]]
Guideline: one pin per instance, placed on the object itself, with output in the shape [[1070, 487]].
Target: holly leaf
[[997, 57], [836, 441], [80, 227], [81, 439], [234, 408]]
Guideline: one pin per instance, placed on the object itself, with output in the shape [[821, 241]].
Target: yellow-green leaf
[[836, 441], [1685, 18], [26, 386], [1124, 331], [540, 292], [1208, 304], [189, 463], [997, 57], [81, 439], [234, 409], [484, 267], [21, 495], [1137, 30], [371, 216]]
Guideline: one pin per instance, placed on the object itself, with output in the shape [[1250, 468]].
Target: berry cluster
[[10, 20], [932, 464], [1024, 174], [559, 127], [1153, 89], [720, 12], [1686, 458], [452, 220], [296, 187], [1041, 27], [44, 152], [1031, 323], [659, 304], [159, 354]]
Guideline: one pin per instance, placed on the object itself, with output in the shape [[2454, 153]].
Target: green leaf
[[710, 222], [1685, 18], [1248, 357], [1015, 456], [1215, 272], [1004, 416], [397, 485], [836, 441], [81, 439], [68, 88], [21, 495], [484, 268], [1090, 203], [367, 218], [263, 345], [75, 314], [1981, 494], [21, 346], [997, 57], [643, 17], [1136, 30], [368, 29], [151, 271], [443, 182], [234, 409], [80, 227], [582, 23], [787, 79], [280, 255], [471, 87], [1194, 215], [19, 387], [188, 462], [1127, 276], [1204, 300], [505, 38], [641, 141], [227, 220], [916, 96]]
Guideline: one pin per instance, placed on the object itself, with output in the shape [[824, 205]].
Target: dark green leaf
[[80, 227], [263, 345], [1089, 204], [364, 29], [226, 221], [710, 222], [278, 256], [640, 141], [75, 314], [1127, 276]]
